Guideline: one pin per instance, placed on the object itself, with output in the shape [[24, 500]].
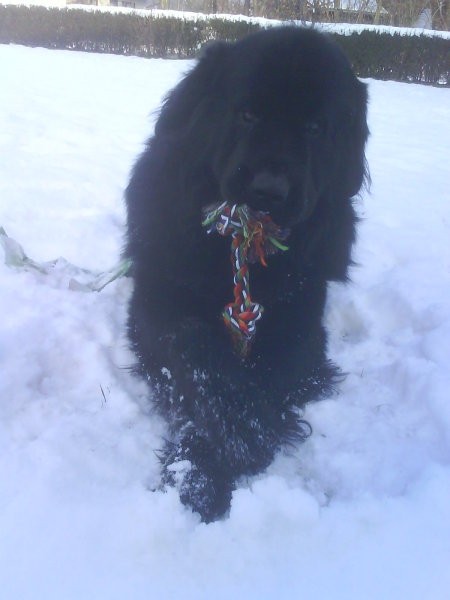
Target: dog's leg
[[226, 418], [203, 482], [222, 427]]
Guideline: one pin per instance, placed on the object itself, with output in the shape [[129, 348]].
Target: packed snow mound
[[361, 510]]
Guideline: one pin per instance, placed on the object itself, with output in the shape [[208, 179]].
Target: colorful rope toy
[[254, 237]]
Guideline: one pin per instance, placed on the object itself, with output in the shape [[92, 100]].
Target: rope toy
[[254, 237]]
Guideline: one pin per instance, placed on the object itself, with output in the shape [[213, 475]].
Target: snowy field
[[361, 511]]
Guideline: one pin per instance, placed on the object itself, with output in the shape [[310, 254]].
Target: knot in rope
[[254, 236]]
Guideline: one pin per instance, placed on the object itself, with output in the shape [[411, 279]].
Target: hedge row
[[378, 55], [418, 59], [129, 34]]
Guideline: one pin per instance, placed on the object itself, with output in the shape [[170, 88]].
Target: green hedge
[[418, 59], [98, 31], [378, 55]]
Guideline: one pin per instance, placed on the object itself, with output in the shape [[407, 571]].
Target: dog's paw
[[207, 494], [201, 480]]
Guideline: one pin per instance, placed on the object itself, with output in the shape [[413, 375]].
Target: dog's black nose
[[270, 187]]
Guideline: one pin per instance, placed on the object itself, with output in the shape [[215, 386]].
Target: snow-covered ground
[[360, 511]]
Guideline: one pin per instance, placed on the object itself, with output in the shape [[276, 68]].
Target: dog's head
[[279, 117]]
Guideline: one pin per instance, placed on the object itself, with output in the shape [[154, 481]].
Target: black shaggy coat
[[276, 121]]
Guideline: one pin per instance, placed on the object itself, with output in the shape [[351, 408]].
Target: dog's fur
[[276, 121]]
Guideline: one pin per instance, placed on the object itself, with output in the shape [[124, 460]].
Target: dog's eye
[[312, 129], [248, 118]]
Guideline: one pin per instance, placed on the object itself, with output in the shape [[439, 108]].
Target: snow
[[361, 510]]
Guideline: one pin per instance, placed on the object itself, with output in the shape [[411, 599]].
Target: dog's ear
[[354, 168], [187, 98]]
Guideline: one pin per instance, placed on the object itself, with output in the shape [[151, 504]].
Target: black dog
[[276, 121]]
